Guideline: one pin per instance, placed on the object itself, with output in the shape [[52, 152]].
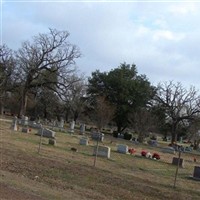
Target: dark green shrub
[[115, 134], [128, 136]]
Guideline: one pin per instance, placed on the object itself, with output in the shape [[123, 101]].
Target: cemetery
[[65, 164]]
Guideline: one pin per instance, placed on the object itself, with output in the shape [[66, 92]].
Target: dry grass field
[[59, 173]]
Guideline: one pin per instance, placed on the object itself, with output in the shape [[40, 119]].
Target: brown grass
[[59, 173]]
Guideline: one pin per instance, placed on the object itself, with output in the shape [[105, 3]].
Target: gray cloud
[[160, 38]]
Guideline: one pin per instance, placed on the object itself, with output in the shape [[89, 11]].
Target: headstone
[[33, 124], [188, 149], [84, 141], [98, 136], [196, 173], [47, 133], [25, 130], [153, 143], [14, 124], [52, 141], [72, 124], [103, 151], [168, 150], [121, 148], [25, 120], [175, 162], [61, 124], [82, 129]]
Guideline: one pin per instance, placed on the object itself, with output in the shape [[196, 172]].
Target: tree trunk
[[23, 105], [76, 116], [1, 107], [173, 133]]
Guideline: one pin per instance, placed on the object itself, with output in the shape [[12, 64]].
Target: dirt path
[[9, 193]]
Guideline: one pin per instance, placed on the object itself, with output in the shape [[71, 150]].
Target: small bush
[[115, 134]]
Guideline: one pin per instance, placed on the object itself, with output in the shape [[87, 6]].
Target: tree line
[[41, 79]]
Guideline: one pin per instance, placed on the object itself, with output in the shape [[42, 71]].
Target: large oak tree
[[124, 89], [181, 105], [52, 53]]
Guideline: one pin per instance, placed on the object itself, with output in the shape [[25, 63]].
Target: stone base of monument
[[103, 151]]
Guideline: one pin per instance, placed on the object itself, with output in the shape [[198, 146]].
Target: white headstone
[[47, 133], [121, 148], [103, 151], [14, 124], [72, 126], [84, 141], [61, 124], [168, 150], [25, 120]]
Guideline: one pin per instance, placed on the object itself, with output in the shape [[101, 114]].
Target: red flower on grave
[[131, 151], [156, 156], [143, 153]]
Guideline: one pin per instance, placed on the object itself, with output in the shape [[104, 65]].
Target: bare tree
[[180, 105], [103, 112], [75, 99], [143, 122], [194, 132], [7, 65], [48, 52]]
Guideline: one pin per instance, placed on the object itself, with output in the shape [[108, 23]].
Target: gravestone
[[24, 121], [196, 173], [98, 136], [25, 130], [103, 151], [153, 143], [72, 124], [33, 124], [46, 133], [168, 150], [121, 148], [84, 141], [82, 129], [175, 162], [188, 149], [14, 124], [61, 124]]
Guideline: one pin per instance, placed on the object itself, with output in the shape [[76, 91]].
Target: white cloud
[[158, 37], [168, 35]]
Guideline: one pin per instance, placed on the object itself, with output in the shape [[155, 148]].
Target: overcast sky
[[161, 37]]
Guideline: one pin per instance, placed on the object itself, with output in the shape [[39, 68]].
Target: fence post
[[176, 174], [40, 139], [97, 147]]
